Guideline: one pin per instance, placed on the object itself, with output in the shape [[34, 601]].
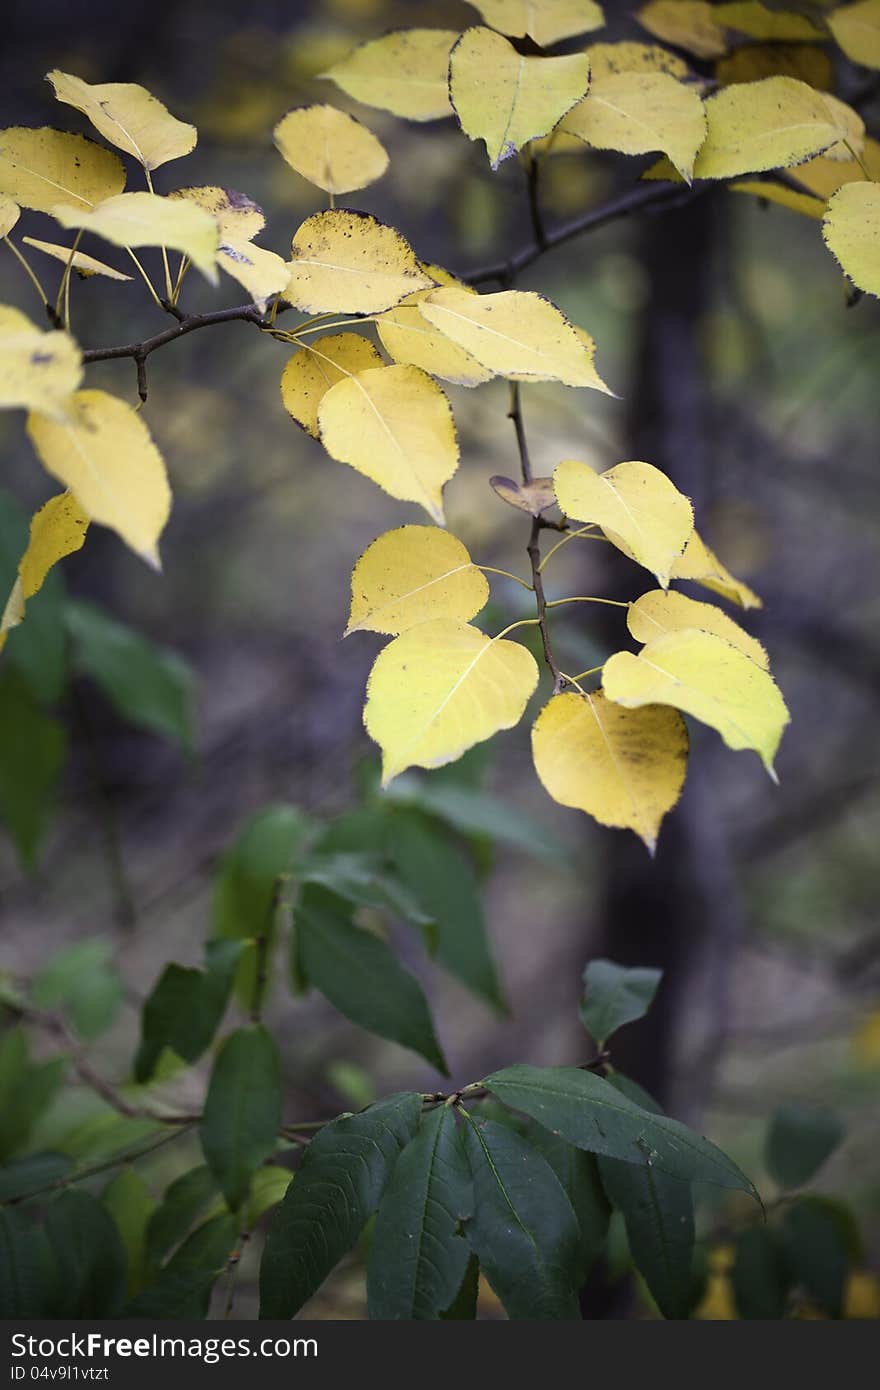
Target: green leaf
[[242, 1114], [578, 1173], [463, 1307], [799, 1140], [473, 812], [27, 1273], [523, 1229], [26, 1091], [590, 1113], [186, 1007], [131, 1205], [361, 977], [418, 1255], [659, 1214], [89, 1257], [82, 980], [33, 752], [815, 1236], [183, 1288], [186, 1199], [31, 1174], [149, 686], [268, 1187], [760, 1275], [615, 995], [365, 880], [337, 1189]]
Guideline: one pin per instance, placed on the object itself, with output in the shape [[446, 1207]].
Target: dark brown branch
[[188, 323]]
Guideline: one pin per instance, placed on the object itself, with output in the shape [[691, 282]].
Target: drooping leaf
[[185, 1201], [799, 1140], [31, 760], [338, 1187], [659, 612], [56, 530], [361, 976], [405, 72], [523, 1229], [83, 265], [183, 1287], [688, 24], [89, 1257], [240, 219], [38, 371], [145, 219], [411, 575], [506, 99], [852, 233], [515, 334], [394, 425], [440, 688], [637, 507], [615, 995], [350, 262], [129, 117], [659, 1214], [814, 1233], [857, 29], [771, 124], [42, 168], [418, 1253], [410, 340], [699, 563], [184, 1009], [242, 1114], [150, 686], [578, 1174], [131, 1205], [330, 148], [547, 23], [638, 112], [105, 455], [316, 366], [759, 1276], [706, 677], [626, 768], [592, 1114]]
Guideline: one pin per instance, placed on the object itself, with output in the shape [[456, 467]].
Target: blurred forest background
[[725, 328]]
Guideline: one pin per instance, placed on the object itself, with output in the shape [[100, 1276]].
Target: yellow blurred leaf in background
[[608, 59], [330, 148], [759, 22], [662, 611], [689, 24], [406, 73], [753, 61], [412, 575], [41, 168], [637, 113], [852, 233], [57, 529], [547, 23], [38, 371], [316, 366], [144, 219], [129, 116], [857, 30], [351, 263]]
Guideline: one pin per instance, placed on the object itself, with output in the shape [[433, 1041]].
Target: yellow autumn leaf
[[145, 219], [700, 564], [38, 371], [861, 1295], [857, 29], [515, 334], [609, 59], [662, 611], [623, 767], [105, 455], [129, 116], [82, 264], [752, 61], [771, 124], [803, 203], [759, 22], [408, 338], [688, 24], [394, 425], [704, 676], [852, 233], [9, 215], [440, 688], [405, 72], [865, 1041], [823, 176], [330, 148], [506, 99], [239, 220], [637, 507], [311, 371], [41, 168], [638, 112], [413, 575], [547, 23], [349, 262], [57, 529]]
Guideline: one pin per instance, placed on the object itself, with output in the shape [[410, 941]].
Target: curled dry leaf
[[534, 497]]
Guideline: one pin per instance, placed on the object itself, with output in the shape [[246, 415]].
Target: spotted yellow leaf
[[852, 233], [413, 575], [771, 124], [145, 219], [405, 72], [346, 261], [759, 22], [506, 99], [609, 59], [700, 564], [662, 611], [442, 687], [547, 22], [41, 168], [38, 371], [330, 148], [857, 29], [704, 676], [239, 220], [83, 265], [105, 455], [316, 366], [623, 767], [688, 24], [409, 339], [515, 334], [129, 116], [57, 529], [394, 425], [637, 507], [638, 112], [9, 215]]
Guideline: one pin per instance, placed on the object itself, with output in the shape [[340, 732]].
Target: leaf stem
[[34, 281], [588, 531], [505, 574], [612, 602], [147, 281], [169, 293], [63, 298]]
